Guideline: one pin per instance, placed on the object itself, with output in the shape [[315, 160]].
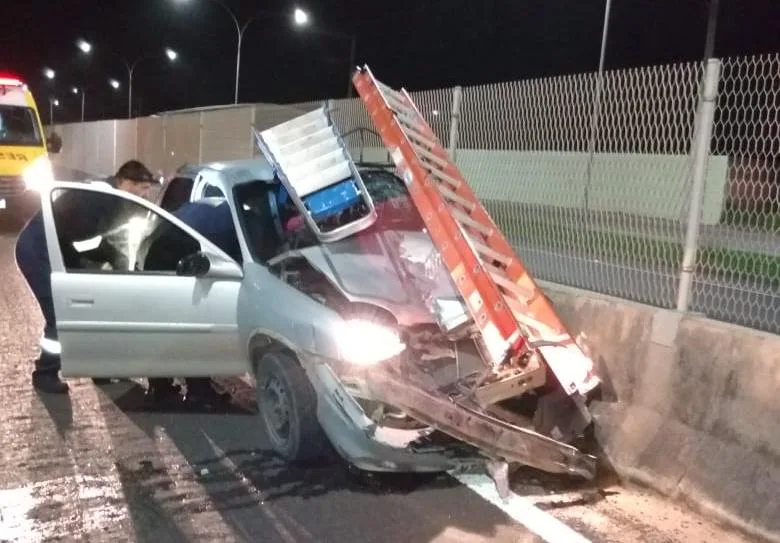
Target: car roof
[[234, 172], [238, 172]]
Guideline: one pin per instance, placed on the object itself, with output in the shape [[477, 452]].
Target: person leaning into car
[[75, 220]]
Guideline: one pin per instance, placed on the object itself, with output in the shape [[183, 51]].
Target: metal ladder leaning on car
[[513, 317]]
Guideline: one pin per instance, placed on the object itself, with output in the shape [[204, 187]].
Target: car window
[[257, 220], [177, 193], [213, 191], [101, 232]]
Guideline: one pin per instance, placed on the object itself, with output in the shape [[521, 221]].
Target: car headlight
[[39, 174], [365, 343]]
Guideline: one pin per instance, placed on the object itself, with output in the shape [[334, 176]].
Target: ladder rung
[[441, 176], [543, 330], [441, 162], [417, 136], [500, 277], [457, 198], [397, 104], [466, 219], [489, 251], [276, 138], [307, 141], [323, 177], [304, 154]]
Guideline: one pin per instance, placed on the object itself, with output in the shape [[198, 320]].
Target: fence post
[[252, 121], [457, 100], [200, 137], [700, 153]]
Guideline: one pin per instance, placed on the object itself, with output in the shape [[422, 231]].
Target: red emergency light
[[10, 80]]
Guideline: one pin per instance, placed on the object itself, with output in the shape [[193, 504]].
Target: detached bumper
[[369, 447], [492, 436], [356, 438]]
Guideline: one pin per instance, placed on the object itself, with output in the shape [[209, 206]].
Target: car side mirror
[[54, 143], [194, 265]]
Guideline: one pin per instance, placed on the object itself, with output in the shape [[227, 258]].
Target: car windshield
[[18, 126], [266, 233]]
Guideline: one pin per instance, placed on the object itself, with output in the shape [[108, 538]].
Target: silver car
[[343, 339]]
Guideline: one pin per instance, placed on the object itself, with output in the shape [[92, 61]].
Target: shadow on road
[[256, 493]]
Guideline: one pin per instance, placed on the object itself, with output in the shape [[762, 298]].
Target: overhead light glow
[[49, 73], [300, 17], [171, 54], [114, 83], [84, 46]]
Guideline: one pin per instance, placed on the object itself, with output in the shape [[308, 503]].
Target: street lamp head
[[114, 83], [74, 90], [171, 54], [84, 46], [55, 102], [300, 17], [49, 73]]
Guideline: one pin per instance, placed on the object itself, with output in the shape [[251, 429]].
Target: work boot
[[49, 382]]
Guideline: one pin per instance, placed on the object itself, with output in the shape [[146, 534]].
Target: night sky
[[418, 44]]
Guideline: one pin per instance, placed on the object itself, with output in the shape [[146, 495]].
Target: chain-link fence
[[591, 179]]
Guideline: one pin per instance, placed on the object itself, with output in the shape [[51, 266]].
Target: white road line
[[522, 510]]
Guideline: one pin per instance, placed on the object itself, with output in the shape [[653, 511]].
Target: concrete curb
[[690, 405]]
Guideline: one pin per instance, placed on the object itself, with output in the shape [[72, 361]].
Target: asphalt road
[[96, 466], [734, 301]]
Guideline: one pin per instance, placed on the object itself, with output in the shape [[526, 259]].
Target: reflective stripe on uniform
[[50, 346]]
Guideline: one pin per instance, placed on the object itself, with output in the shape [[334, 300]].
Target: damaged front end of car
[[410, 376]]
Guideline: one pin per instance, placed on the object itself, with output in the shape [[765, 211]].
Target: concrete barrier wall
[[690, 407]]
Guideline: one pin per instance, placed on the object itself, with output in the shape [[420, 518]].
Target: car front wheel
[[288, 407]]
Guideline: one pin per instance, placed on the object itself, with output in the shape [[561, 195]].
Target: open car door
[[140, 294]]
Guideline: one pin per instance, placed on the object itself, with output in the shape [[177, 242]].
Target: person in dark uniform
[[213, 220], [75, 220]]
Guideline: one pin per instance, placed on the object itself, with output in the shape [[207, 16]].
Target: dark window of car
[[213, 191], [177, 193], [18, 126], [99, 232], [257, 219]]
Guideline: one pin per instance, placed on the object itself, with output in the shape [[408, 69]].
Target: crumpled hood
[[398, 270]]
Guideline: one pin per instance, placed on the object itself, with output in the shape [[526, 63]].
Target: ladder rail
[[501, 333]]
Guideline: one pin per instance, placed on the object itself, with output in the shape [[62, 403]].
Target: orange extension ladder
[[509, 310]]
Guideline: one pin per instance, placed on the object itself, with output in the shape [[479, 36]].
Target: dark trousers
[[34, 264]]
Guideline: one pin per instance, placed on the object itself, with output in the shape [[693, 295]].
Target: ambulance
[[24, 151]]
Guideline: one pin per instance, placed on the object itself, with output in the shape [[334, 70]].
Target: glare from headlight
[[365, 343], [39, 174]]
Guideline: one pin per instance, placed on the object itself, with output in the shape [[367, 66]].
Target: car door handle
[[81, 302]]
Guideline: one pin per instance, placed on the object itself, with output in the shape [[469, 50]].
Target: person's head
[[135, 178]]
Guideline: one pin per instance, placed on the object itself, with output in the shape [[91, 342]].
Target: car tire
[[287, 405]]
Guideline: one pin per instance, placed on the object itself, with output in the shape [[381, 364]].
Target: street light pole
[[597, 104], [77, 90], [172, 55], [239, 39], [712, 23], [130, 70], [352, 52]]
